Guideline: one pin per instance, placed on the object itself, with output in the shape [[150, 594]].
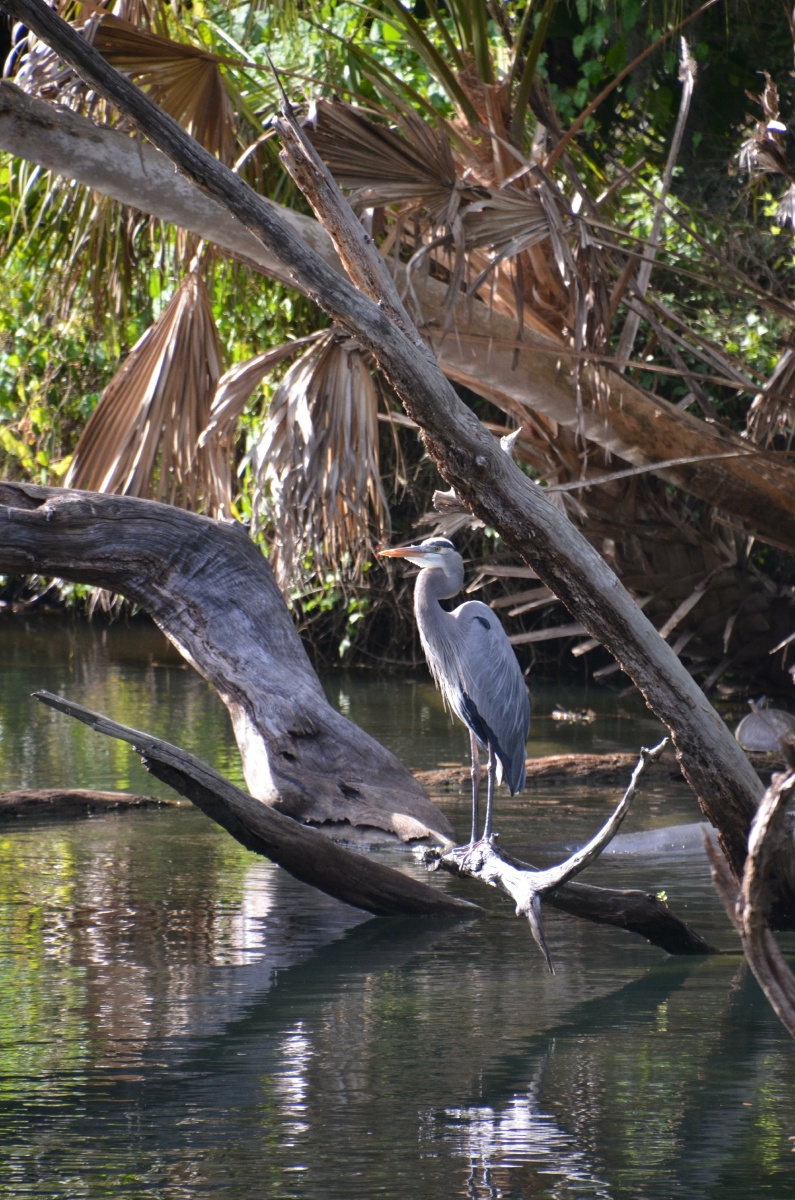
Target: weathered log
[[300, 849], [350, 877], [599, 770], [213, 594], [527, 886], [72, 802], [749, 905]]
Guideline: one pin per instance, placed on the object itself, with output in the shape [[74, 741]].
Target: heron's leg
[[475, 772], [491, 776]]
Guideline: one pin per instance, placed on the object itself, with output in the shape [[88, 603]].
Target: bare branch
[[748, 906], [526, 885]]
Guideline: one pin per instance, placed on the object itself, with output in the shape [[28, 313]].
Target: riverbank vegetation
[[588, 219]]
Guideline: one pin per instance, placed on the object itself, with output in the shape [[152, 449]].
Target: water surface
[[180, 1020]]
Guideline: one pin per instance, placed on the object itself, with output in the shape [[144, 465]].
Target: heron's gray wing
[[495, 697]]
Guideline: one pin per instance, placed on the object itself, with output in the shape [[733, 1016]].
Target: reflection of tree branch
[[748, 905]]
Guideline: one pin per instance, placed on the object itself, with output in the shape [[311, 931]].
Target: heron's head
[[433, 552]]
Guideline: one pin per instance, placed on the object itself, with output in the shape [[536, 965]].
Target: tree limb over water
[[468, 457], [301, 850], [363, 882], [213, 594]]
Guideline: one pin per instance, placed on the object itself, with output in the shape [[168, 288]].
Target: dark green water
[[180, 1020]]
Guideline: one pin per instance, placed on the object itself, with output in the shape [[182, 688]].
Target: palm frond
[[185, 80], [234, 390], [142, 439], [316, 464], [381, 167]]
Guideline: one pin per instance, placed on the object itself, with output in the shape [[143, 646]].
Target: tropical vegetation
[[589, 215]]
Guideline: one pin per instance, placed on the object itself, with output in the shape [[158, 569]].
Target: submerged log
[[72, 802], [213, 594], [600, 770]]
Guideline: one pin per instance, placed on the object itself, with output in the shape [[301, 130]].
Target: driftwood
[[183, 569], [249, 649], [527, 886], [213, 594], [748, 906], [72, 802], [300, 849], [365, 883], [599, 770]]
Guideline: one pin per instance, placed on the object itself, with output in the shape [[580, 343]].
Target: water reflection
[[180, 1020]]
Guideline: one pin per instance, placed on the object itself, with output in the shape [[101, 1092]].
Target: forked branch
[[525, 884]]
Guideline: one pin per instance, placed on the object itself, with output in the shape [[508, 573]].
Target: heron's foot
[[471, 856]]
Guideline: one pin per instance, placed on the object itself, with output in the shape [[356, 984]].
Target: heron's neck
[[434, 585]]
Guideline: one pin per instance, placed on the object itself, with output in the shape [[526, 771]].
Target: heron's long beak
[[403, 551]]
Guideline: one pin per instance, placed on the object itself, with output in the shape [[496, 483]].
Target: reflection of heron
[[474, 667]]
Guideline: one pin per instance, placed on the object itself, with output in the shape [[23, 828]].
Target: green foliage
[[51, 373]]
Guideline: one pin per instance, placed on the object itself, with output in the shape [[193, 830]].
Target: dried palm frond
[[185, 80], [507, 221], [231, 396], [316, 464], [772, 411], [142, 439], [412, 169]]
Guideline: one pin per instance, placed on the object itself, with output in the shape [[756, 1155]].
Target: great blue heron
[[474, 667]]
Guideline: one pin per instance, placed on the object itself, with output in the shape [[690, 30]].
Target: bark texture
[[212, 593]]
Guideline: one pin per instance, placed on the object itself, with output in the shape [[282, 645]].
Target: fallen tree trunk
[[213, 594], [363, 882], [481, 350], [301, 850]]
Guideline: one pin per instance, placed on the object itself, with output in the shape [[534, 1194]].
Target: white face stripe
[[425, 558]]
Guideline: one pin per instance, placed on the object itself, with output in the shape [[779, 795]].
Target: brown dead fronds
[[143, 437], [316, 464]]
